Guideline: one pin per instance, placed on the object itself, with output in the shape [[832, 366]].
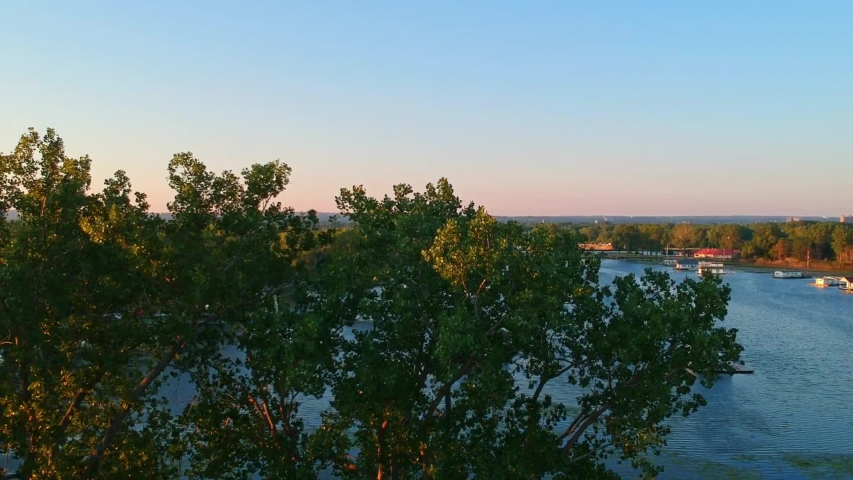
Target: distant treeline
[[337, 220], [771, 241]]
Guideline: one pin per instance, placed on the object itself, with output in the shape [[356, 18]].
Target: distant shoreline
[[760, 265]]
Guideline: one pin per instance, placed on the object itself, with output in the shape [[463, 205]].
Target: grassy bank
[[814, 265]]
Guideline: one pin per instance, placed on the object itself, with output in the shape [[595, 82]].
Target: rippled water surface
[[794, 417]]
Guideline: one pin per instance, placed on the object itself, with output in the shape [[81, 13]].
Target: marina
[[702, 268]]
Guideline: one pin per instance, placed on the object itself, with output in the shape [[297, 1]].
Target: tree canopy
[[429, 334]]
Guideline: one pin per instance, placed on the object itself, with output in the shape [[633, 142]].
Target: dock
[[740, 369]]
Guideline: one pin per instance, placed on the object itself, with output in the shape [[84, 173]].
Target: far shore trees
[[684, 235], [820, 241]]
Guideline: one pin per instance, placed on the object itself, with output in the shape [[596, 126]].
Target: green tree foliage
[[437, 329], [685, 235], [728, 236], [626, 236], [842, 244], [765, 236], [471, 319], [100, 299], [654, 237]]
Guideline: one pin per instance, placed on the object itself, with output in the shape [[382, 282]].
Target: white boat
[[669, 262], [686, 264], [712, 267], [822, 282], [789, 274]]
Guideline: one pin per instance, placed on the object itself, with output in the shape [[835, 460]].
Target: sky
[[528, 108]]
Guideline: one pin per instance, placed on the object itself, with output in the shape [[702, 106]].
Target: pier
[[740, 369]]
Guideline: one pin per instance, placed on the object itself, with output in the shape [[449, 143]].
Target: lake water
[[792, 419]]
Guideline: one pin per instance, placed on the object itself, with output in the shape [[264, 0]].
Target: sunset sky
[[529, 108]]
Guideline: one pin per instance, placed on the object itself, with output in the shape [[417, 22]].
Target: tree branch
[[115, 426], [495, 327], [268, 417], [543, 379], [583, 426], [445, 389], [590, 419], [254, 403], [590, 453], [77, 400], [480, 288]]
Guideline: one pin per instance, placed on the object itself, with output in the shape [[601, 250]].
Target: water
[[792, 419], [798, 406]]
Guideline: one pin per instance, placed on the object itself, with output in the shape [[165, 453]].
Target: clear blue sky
[[540, 108]]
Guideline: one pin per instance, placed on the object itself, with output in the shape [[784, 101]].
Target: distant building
[[716, 253], [793, 219], [843, 218]]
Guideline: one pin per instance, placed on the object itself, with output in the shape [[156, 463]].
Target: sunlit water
[[796, 408]]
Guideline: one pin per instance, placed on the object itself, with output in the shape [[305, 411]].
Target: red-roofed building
[[716, 253]]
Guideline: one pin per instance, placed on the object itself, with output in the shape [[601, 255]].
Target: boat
[[669, 262], [715, 268], [789, 274], [686, 264], [822, 282]]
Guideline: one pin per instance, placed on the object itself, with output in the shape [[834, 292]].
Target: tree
[[684, 235], [105, 303], [654, 237], [782, 249], [626, 236], [101, 300], [733, 237], [801, 247], [461, 307], [765, 236], [70, 280], [842, 240]]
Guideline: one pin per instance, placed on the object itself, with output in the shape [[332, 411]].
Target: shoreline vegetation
[[760, 264], [801, 244]]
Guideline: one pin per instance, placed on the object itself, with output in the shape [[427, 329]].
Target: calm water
[[797, 407], [792, 419]]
